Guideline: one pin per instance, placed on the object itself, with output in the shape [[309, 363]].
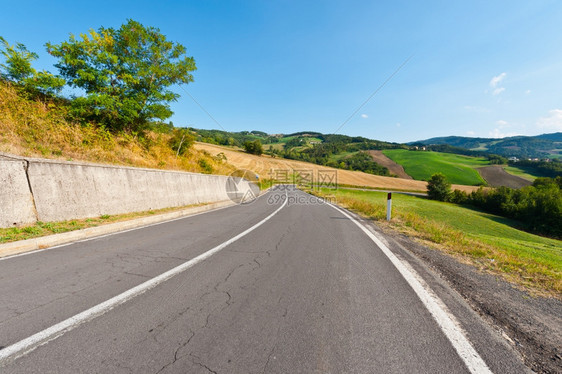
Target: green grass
[[340, 156], [39, 229], [521, 173], [486, 240], [307, 138], [422, 165]]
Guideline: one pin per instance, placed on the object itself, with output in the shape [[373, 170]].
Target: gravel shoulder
[[531, 324]]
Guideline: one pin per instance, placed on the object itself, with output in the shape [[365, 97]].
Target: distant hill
[[541, 146]]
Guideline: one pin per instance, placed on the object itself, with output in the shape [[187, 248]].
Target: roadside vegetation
[[39, 229], [121, 81], [538, 208], [485, 240]]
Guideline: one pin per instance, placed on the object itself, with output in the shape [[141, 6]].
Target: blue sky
[[478, 68]]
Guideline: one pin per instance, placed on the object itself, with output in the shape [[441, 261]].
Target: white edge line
[[446, 321], [29, 344], [120, 231]]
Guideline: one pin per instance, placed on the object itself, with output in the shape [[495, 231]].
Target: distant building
[[514, 159]]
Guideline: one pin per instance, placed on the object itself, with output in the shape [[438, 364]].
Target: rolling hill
[[421, 165], [541, 146], [264, 166]]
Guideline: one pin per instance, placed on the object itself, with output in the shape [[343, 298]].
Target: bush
[[458, 197], [438, 187], [253, 147]]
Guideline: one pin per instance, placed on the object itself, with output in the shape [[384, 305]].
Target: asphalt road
[[306, 291]]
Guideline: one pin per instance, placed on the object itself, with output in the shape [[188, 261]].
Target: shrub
[[438, 187], [253, 147]]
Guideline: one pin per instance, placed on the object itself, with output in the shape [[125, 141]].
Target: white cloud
[[496, 80], [495, 84], [477, 109], [470, 133], [551, 122], [398, 124], [364, 115], [498, 91], [527, 92], [497, 133], [502, 124]]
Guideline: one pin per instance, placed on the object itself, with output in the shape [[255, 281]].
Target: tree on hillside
[[17, 69], [126, 74], [438, 187], [254, 147]]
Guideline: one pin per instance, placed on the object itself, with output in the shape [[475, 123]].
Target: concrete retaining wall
[[16, 201], [70, 190]]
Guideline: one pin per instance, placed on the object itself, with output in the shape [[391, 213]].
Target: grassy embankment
[[36, 129], [421, 165], [487, 241]]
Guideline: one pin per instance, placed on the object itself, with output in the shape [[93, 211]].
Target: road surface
[[290, 286]]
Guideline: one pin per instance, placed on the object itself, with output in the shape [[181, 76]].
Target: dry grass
[[263, 165], [36, 129]]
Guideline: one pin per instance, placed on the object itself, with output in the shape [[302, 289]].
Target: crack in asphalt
[[176, 356], [201, 363], [65, 294]]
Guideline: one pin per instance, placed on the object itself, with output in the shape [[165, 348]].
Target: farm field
[[421, 165], [520, 172], [392, 166], [263, 165], [496, 176], [484, 239]]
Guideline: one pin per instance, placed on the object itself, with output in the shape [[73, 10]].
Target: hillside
[[541, 146], [264, 166], [421, 165], [41, 129], [332, 150], [496, 176]]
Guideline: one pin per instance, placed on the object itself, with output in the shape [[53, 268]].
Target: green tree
[[438, 187], [18, 69], [126, 74], [181, 140], [254, 147]]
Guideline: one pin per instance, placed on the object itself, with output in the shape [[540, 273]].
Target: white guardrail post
[[388, 206]]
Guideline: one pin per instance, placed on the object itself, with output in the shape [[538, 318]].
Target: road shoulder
[[532, 325]]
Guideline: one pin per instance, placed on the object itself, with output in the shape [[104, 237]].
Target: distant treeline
[[237, 139], [538, 207], [519, 146], [326, 154], [543, 168], [297, 146]]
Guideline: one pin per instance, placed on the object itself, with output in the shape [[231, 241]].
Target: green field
[[520, 173], [422, 165], [308, 139], [529, 259]]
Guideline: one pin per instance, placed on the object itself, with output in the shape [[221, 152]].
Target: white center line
[[27, 345]]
